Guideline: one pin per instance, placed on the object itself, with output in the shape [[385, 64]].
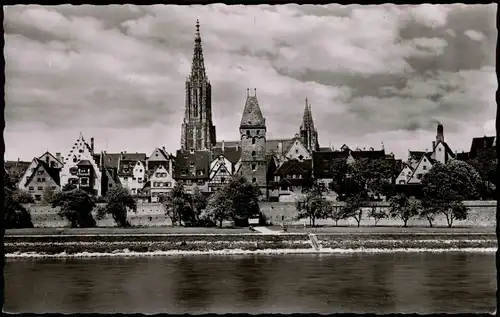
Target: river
[[358, 283]]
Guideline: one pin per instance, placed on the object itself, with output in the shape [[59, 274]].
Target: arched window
[[253, 153], [253, 140]]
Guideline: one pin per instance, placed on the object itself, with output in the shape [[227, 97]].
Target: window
[[84, 181], [31, 188], [74, 159], [169, 184], [276, 178], [133, 178], [139, 180], [163, 174], [248, 132], [39, 173], [253, 167], [158, 175], [296, 151], [439, 149], [47, 159], [38, 179], [38, 197], [125, 178], [424, 167], [223, 179], [54, 187], [253, 153], [133, 190], [140, 171], [419, 176], [401, 181], [43, 179], [254, 180], [253, 140], [80, 151], [40, 188], [53, 164]]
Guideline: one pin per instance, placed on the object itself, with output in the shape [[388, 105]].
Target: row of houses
[[291, 167]]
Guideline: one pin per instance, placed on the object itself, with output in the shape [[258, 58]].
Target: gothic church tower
[[253, 143], [198, 131], [308, 134]]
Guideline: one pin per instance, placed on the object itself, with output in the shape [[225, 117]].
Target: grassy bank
[[137, 242]]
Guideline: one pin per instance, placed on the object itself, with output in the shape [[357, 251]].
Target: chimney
[[433, 145], [92, 145], [440, 133], [58, 156], [222, 145], [170, 169]]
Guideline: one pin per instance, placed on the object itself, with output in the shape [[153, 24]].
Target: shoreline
[[99, 245]]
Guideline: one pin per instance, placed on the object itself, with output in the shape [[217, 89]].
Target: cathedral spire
[[198, 65], [307, 120]]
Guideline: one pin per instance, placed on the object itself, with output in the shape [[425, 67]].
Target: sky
[[372, 74]]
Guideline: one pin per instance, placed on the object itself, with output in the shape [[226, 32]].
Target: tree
[[340, 184], [404, 208], [48, 195], [334, 212], [197, 203], [68, 187], [76, 206], [446, 186], [377, 213], [16, 215], [428, 210], [118, 201], [244, 198], [353, 207], [175, 204], [313, 206], [219, 207], [485, 163], [373, 175]]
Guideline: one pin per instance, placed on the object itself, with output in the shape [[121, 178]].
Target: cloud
[[474, 35], [117, 72]]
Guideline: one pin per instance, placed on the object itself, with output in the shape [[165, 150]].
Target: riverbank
[[68, 243]]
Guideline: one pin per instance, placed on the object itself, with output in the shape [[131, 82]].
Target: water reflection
[[380, 283]]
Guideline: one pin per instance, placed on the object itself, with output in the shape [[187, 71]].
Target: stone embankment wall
[[481, 214]]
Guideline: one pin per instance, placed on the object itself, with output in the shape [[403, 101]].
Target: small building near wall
[[41, 179], [293, 176], [161, 182], [192, 168], [132, 171]]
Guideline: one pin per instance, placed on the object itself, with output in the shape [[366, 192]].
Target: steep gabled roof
[[16, 169], [232, 154], [55, 158], [200, 159], [52, 172], [252, 116], [481, 143], [84, 163], [322, 162], [428, 157], [294, 165], [368, 154]]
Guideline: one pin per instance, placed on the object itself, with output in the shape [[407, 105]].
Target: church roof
[[252, 116]]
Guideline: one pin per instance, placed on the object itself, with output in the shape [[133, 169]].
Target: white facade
[[136, 182], [162, 182], [405, 175], [423, 167], [439, 153], [298, 151], [80, 151]]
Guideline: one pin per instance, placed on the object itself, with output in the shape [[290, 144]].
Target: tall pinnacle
[[198, 65], [307, 120]]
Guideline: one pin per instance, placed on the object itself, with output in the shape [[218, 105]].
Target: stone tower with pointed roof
[[253, 143], [308, 134], [198, 131]]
